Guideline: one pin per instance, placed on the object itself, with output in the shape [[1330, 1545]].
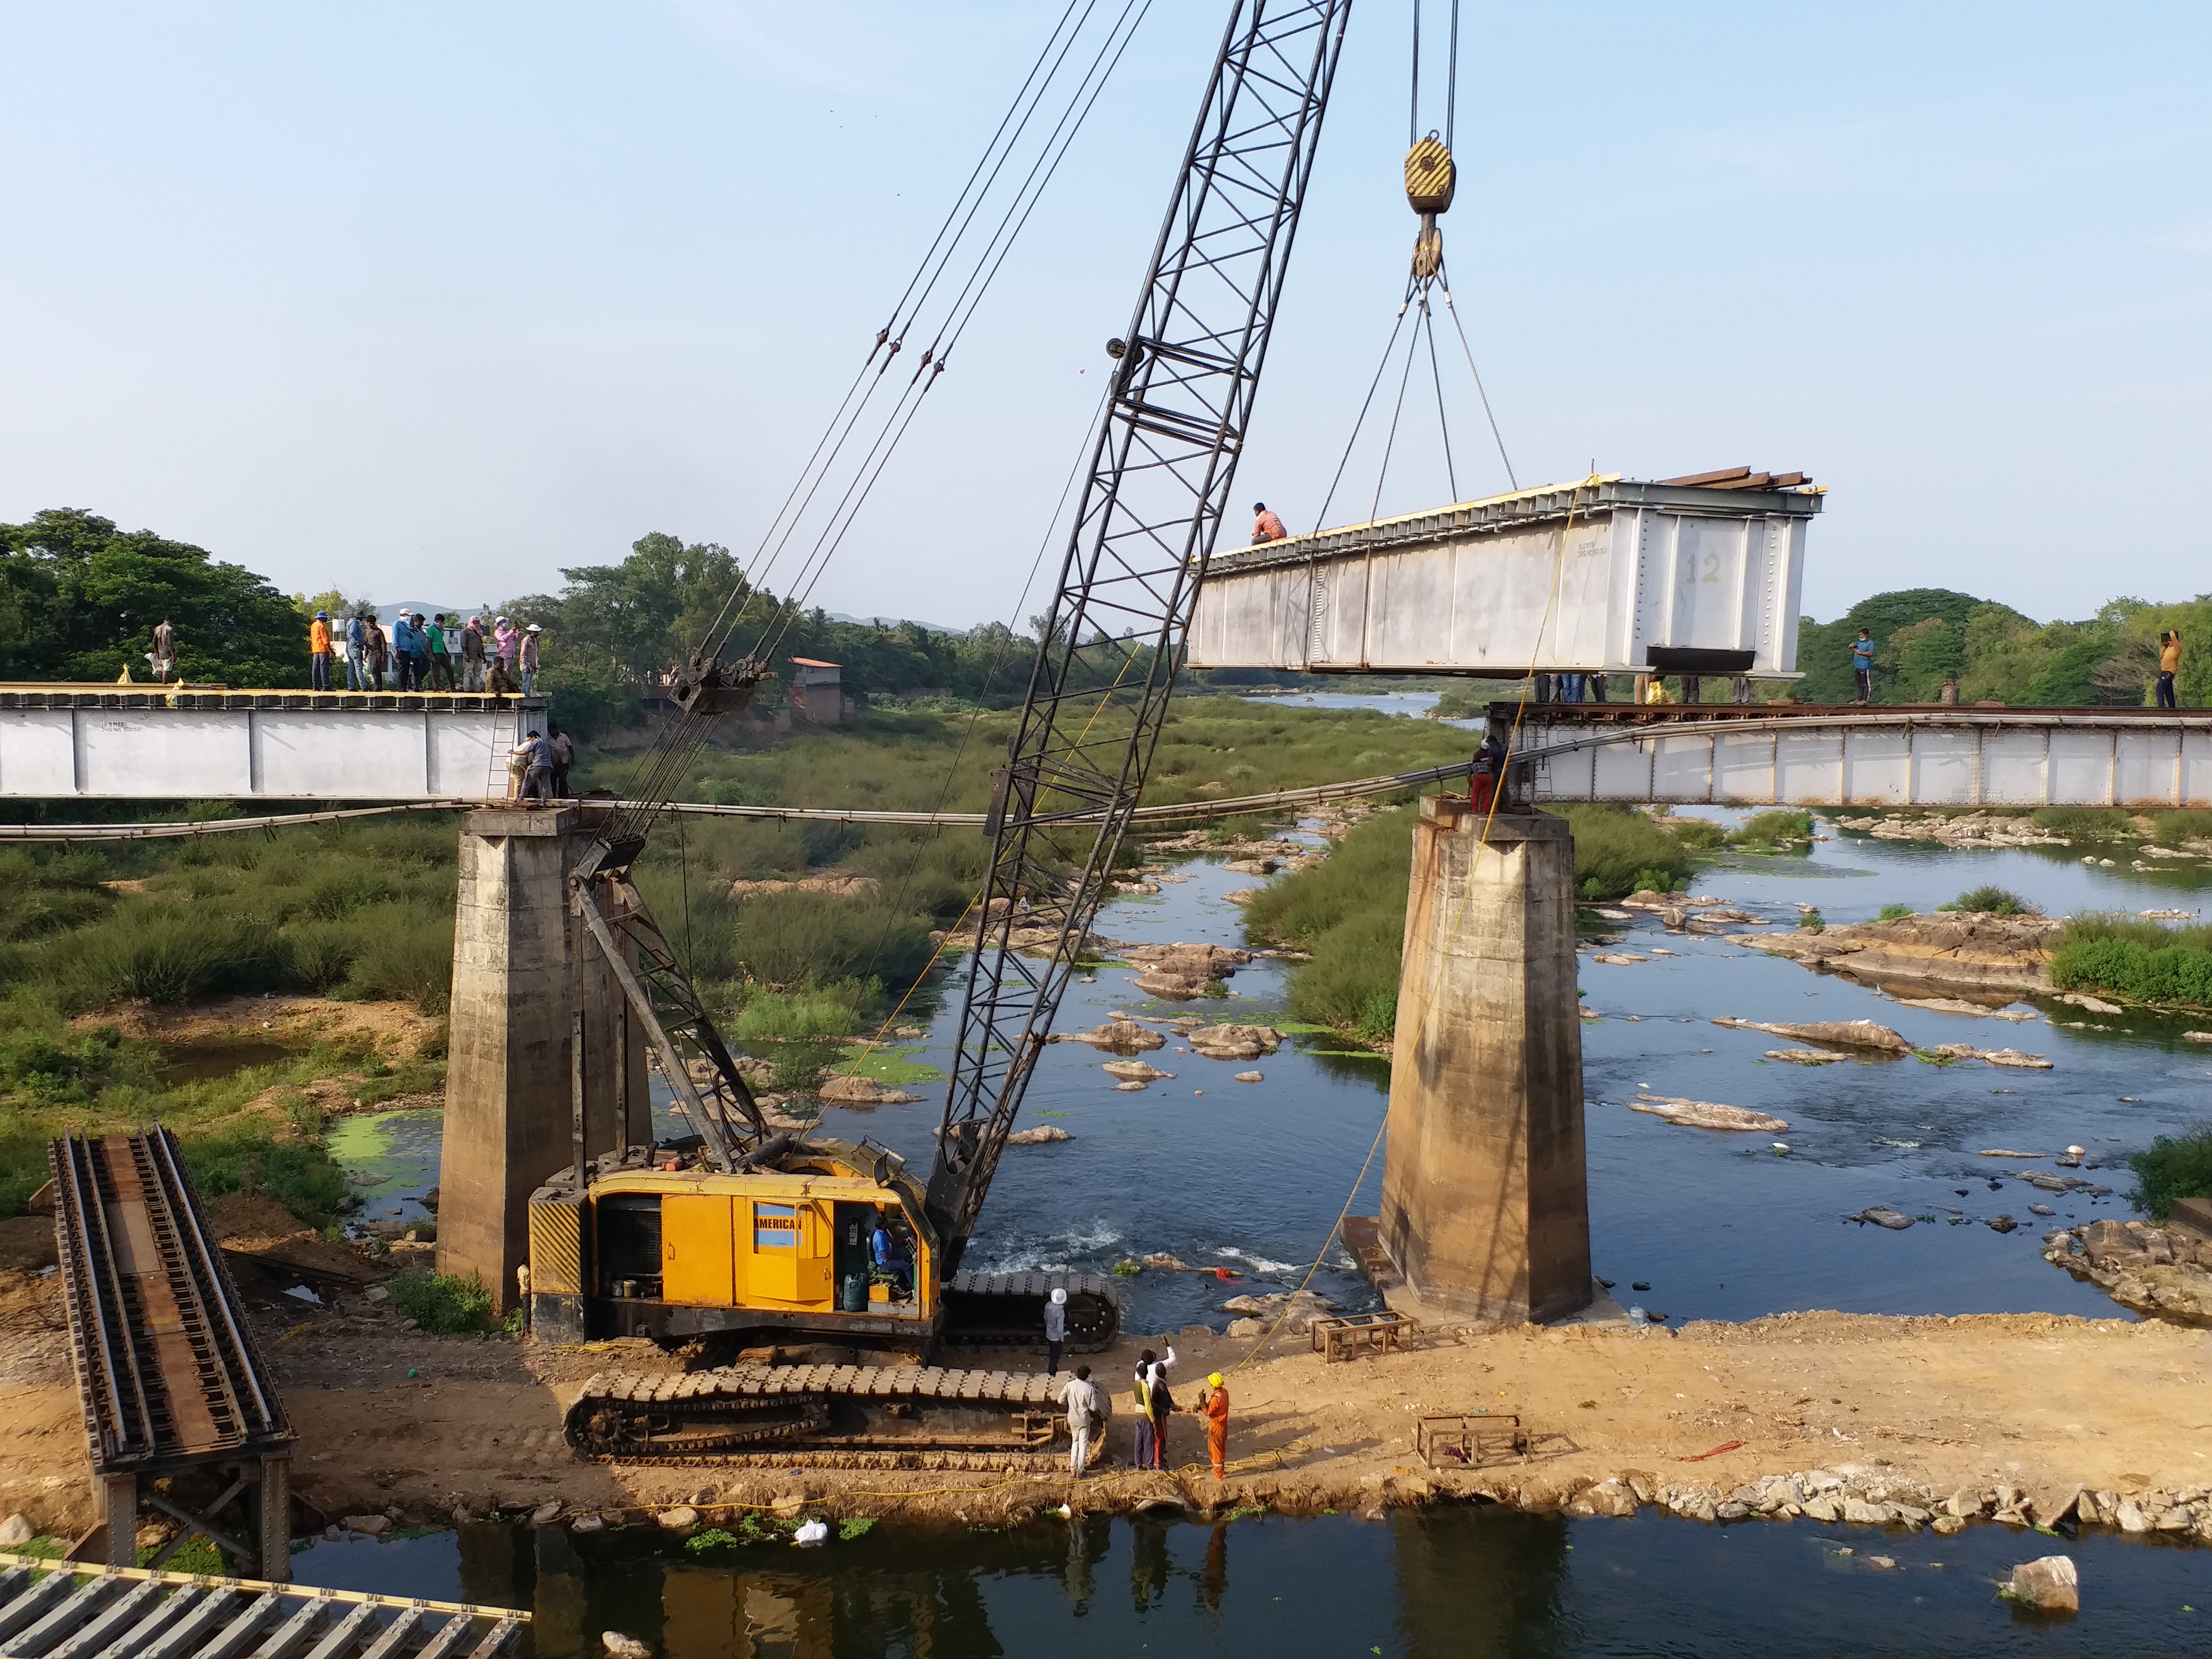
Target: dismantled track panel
[[50, 1609], [165, 1362], [898, 1416]]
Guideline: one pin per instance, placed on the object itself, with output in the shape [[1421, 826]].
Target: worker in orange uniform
[[1265, 526], [1213, 1401], [318, 651]]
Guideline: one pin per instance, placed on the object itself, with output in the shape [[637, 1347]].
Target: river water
[[1436, 1585], [1253, 1177]]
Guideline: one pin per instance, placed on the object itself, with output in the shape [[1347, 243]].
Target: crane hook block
[[707, 685], [1429, 176]]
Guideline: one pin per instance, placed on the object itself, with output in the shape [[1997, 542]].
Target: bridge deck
[[1769, 755], [143, 743]]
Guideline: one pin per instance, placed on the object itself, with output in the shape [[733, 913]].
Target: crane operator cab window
[[890, 1255]]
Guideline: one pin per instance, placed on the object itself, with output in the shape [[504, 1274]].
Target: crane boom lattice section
[[1165, 456]]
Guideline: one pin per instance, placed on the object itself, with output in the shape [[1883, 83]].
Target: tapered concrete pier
[[1486, 1208], [510, 1086]]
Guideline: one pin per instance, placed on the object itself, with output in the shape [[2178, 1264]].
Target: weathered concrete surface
[[1486, 1208], [509, 1121]]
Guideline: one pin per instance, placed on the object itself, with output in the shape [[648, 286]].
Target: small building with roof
[[817, 691]]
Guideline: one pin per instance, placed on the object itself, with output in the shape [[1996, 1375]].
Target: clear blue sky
[[425, 299]]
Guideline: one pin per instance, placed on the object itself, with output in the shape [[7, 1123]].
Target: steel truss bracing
[[1165, 456]]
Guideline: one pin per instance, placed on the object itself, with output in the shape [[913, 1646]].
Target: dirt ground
[[395, 1421], [286, 1020]]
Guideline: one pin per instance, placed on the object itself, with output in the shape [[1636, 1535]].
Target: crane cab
[[784, 1251]]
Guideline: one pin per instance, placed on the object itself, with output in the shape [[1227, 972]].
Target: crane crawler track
[[822, 1416]]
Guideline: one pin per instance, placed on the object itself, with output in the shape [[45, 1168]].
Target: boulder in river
[[1043, 1135], [1134, 1071], [1952, 949], [862, 1092], [1846, 1033], [1706, 1114], [1122, 1036], [1882, 1216], [1804, 1056], [2048, 1585], [1234, 1041]]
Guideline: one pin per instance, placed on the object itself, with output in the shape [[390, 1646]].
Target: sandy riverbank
[[2025, 1409]]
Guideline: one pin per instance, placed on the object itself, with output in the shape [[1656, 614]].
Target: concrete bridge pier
[[510, 1088], [1486, 1208]]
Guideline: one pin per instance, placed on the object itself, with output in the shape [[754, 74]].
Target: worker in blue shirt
[[884, 1252], [1863, 665]]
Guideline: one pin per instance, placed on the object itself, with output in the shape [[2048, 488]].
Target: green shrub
[[1463, 702], [1775, 832], [403, 953], [2168, 975], [443, 1304], [1990, 901], [1896, 913], [301, 1176], [1698, 835], [824, 1011], [184, 954], [2101, 822], [1619, 852], [1378, 1016], [1811, 921], [812, 939], [2190, 824], [2175, 1166]]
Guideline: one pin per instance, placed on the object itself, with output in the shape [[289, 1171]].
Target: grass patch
[[1896, 913], [1619, 852], [301, 1176], [2094, 823], [1774, 832], [2190, 824], [1990, 901], [893, 1067], [826, 1011], [2175, 1166], [444, 1304]]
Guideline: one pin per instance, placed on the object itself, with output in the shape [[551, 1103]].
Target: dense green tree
[[79, 599]]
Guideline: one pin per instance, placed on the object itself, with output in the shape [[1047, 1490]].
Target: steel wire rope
[[923, 269], [1373, 386], [1391, 442], [967, 730], [1428, 324], [973, 296], [953, 212], [1480, 390]]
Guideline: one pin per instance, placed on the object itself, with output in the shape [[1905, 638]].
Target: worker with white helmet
[[1055, 1330]]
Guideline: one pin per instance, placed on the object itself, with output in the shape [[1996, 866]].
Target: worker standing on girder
[[377, 649], [318, 651], [472, 655], [2169, 665], [1265, 526], [164, 655], [442, 653], [525, 657], [357, 647], [1863, 665]]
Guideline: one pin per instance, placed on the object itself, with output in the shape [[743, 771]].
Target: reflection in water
[[1428, 1585]]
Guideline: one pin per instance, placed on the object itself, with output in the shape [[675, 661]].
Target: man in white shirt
[[1153, 1406], [1086, 1409]]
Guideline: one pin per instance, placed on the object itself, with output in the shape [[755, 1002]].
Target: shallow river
[[1253, 1177], [1434, 1586]]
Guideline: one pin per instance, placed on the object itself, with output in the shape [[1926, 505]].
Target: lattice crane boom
[[1180, 401]]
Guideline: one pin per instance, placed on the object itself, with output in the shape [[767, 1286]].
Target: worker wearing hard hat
[[1213, 1401], [1055, 1330]]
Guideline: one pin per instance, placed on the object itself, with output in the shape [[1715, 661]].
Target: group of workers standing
[[1087, 1406], [423, 653]]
